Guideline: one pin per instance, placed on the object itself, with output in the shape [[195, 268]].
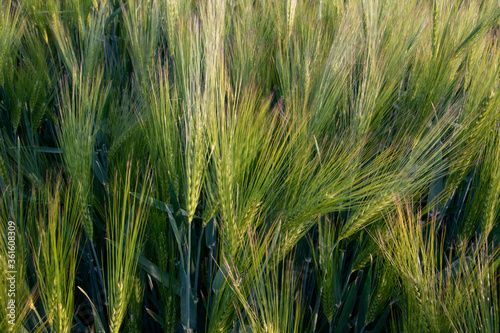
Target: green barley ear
[[171, 12], [291, 6], [483, 208], [81, 105], [472, 289], [11, 31], [126, 216], [435, 19], [491, 174], [142, 22], [34, 81], [134, 316], [380, 296], [78, 34], [122, 139], [59, 220]]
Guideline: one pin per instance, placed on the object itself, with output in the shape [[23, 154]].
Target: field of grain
[[249, 166]]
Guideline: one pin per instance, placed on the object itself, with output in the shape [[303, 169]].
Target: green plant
[[125, 227], [335, 160]]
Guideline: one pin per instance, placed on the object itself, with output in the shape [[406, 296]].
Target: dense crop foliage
[[250, 166]]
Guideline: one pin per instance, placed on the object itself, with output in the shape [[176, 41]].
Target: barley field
[[249, 166]]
